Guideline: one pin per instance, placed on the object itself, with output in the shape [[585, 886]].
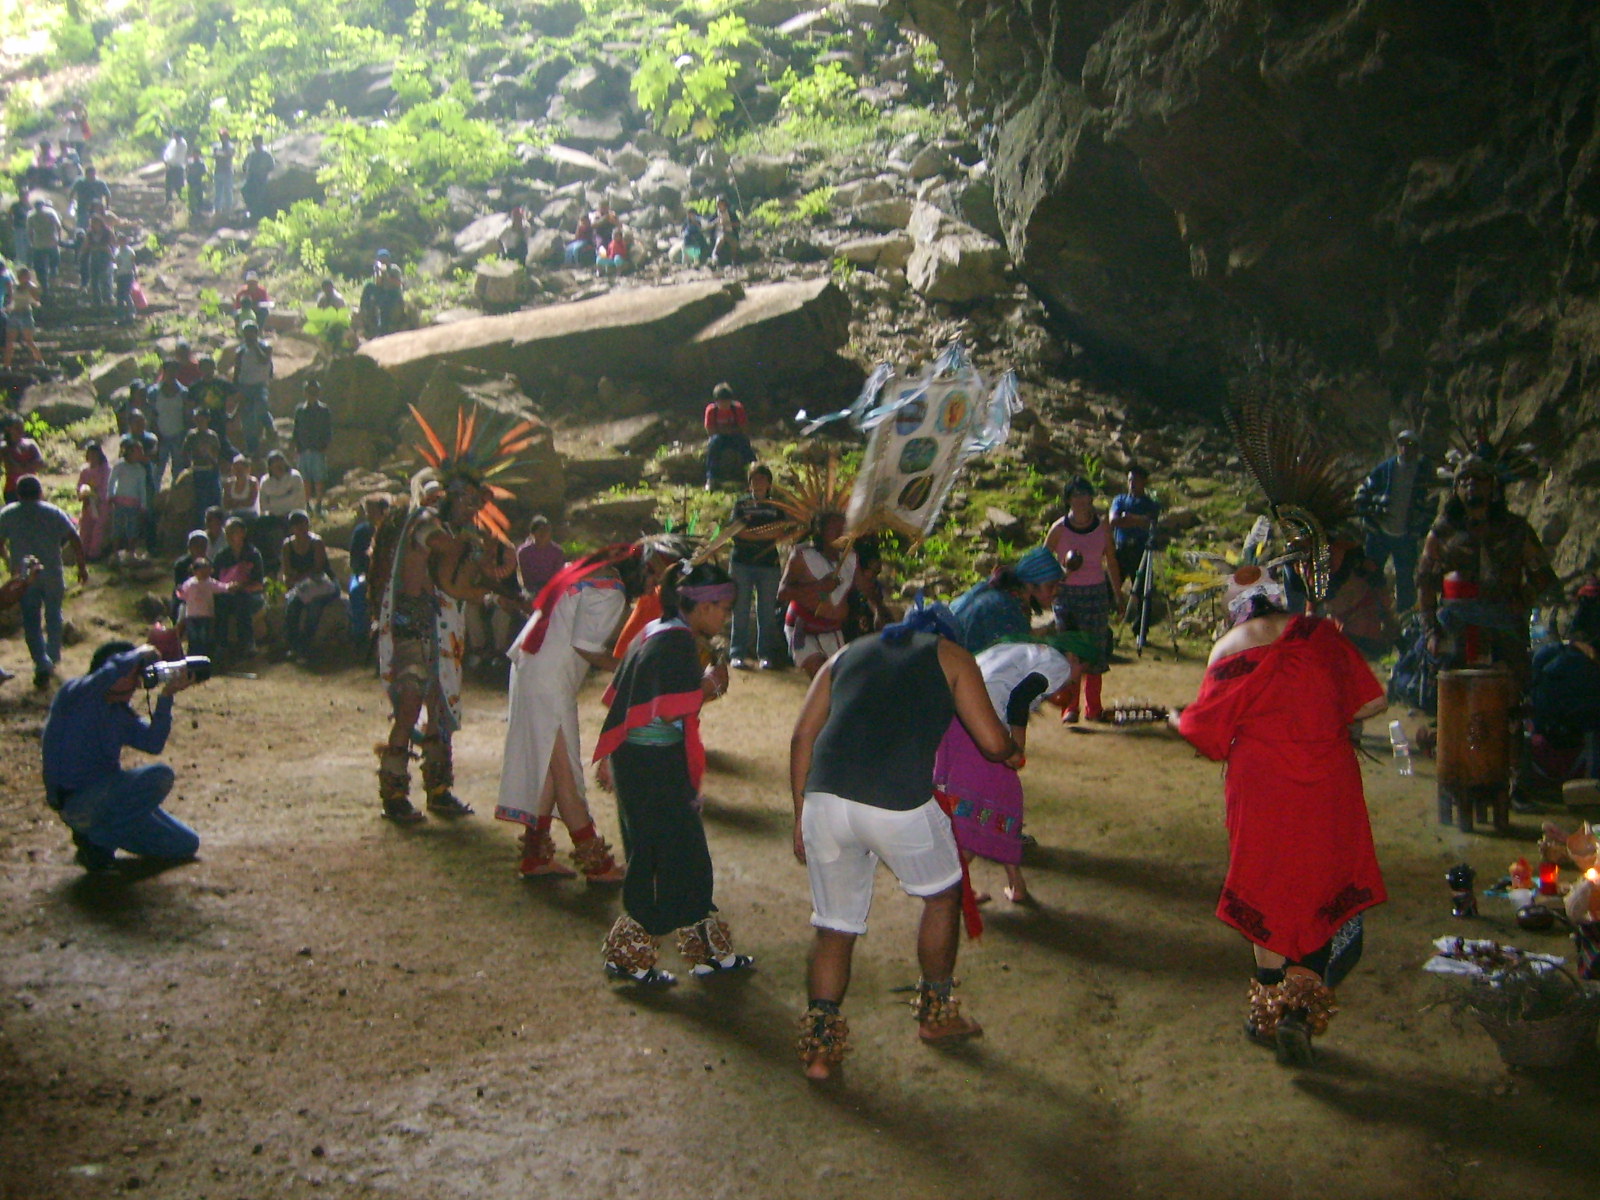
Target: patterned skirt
[[1088, 610], [987, 818]]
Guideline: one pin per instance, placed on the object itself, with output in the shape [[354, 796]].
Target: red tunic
[[1300, 855]]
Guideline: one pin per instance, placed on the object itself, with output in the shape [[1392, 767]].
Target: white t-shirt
[[1006, 665], [278, 497]]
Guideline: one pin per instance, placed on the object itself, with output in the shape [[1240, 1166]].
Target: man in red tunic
[[1278, 698]]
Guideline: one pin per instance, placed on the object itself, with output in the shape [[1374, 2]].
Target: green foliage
[[774, 214], [209, 303], [815, 204], [73, 43], [683, 80], [925, 59], [843, 271], [387, 180], [331, 325], [829, 92], [36, 427]]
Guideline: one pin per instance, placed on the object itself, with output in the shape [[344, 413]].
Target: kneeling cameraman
[[106, 807]]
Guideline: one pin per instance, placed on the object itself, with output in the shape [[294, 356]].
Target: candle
[[1593, 877], [1549, 878]]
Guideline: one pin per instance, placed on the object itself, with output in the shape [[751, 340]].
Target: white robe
[[544, 693]]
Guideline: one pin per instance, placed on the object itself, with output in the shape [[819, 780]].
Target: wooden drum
[[1475, 745]]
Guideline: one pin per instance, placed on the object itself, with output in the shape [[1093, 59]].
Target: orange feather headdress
[[479, 457]]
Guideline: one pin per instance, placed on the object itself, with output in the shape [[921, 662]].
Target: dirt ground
[[325, 1004]]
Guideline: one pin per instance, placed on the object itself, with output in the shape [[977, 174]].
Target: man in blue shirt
[[31, 528], [1398, 508], [106, 807], [1133, 521]]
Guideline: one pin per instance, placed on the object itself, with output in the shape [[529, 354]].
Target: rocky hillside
[[1409, 189]]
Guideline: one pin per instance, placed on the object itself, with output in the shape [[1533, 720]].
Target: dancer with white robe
[[574, 620]]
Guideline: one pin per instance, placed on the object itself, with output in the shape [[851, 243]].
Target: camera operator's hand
[[177, 683]]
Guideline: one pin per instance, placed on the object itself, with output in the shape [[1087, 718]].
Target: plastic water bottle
[[1402, 747]]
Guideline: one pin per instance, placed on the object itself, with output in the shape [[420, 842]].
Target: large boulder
[[297, 159], [499, 284], [113, 374], [481, 237], [629, 332], [953, 263], [59, 403], [889, 250], [566, 164], [664, 183], [294, 360], [775, 334], [363, 395], [540, 481], [760, 176]]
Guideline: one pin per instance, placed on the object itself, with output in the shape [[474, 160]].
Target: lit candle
[[1593, 876], [1549, 878]]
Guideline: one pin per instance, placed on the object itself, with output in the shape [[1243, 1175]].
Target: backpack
[[1414, 681]]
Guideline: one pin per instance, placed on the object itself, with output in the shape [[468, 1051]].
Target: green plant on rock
[[829, 92], [684, 79], [815, 204], [330, 325]]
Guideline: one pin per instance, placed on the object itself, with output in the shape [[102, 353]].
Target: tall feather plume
[[1487, 427], [816, 489], [478, 454]]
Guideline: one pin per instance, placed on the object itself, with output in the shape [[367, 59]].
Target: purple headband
[[710, 593]]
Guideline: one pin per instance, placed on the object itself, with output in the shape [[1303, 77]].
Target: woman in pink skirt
[[985, 798], [94, 490]]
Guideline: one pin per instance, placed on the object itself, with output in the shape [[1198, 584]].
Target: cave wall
[[1410, 188]]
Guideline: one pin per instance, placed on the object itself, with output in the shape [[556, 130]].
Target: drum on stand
[[1475, 746]]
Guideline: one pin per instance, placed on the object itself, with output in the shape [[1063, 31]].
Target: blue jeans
[[1380, 549], [236, 620], [223, 203], [759, 584], [719, 444], [207, 492], [359, 628], [301, 620], [46, 264], [254, 414], [123, 812], [41, 624]]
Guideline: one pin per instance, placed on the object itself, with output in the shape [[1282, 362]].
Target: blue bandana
[[1039, 565]]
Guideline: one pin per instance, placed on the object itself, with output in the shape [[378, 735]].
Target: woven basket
[[1553, 1042]]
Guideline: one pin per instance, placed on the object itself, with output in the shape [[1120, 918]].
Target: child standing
[[130, 496], [123, 268], [199, 593]]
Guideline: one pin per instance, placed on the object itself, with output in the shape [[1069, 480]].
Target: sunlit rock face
[[1408, 187]]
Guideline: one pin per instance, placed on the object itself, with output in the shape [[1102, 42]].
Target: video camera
[[157, 674]]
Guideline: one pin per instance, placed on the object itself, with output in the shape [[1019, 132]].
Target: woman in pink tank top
[[1091, 591]]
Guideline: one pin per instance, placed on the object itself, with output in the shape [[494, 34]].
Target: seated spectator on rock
[[329, 296], [281, 492], [613, 259], [375, 511], [728, 450], [215, 529], [725, 248], [1564, 697], [240, 566], [695, 246], [539, 557], [309, 586], [604, 223], [240, 491], [198, 547], [580, 248], [251, 302], [131, 495], [199, 596], [514, 239]]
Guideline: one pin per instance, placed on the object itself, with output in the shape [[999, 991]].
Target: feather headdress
[[818, 489], [1494, 434], [480, 456], [1309, 490]]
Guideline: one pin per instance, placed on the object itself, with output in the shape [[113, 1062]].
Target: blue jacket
[[84, 735], [1372, 497]]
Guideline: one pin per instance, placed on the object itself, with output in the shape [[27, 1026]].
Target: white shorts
[[802, 644], [845, 841]]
